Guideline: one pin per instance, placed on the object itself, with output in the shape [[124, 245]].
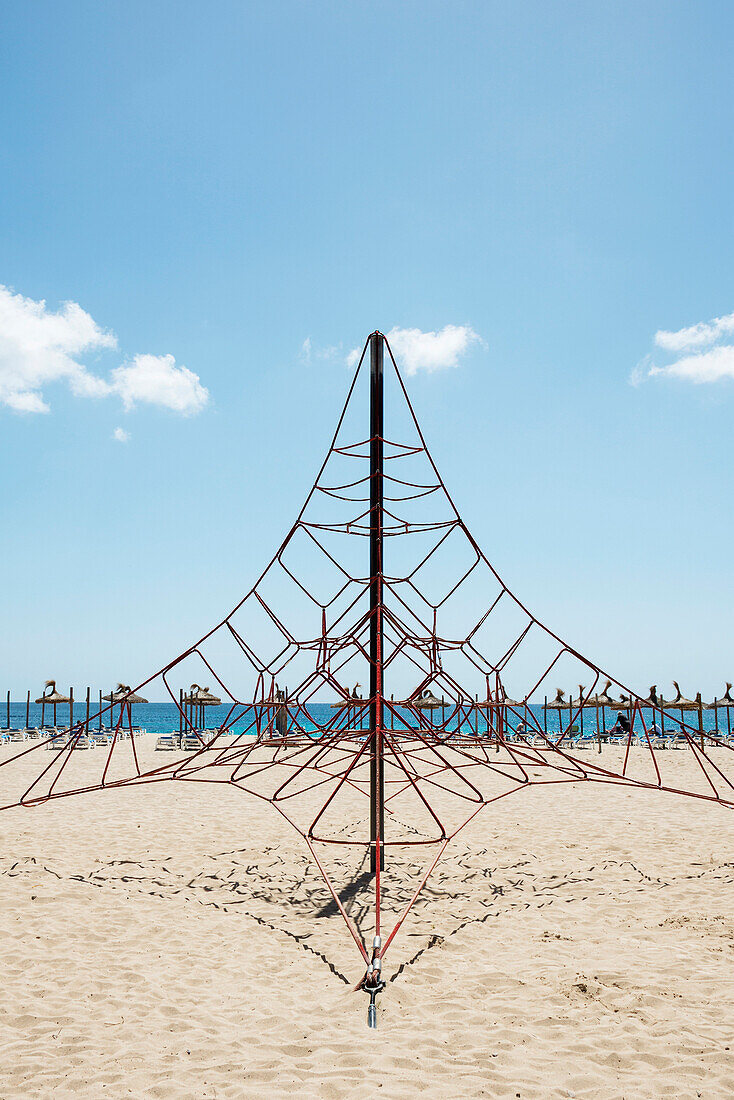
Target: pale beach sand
[[174, 940]]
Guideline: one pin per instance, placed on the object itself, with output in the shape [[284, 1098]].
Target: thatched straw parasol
[[426, 701], [598, 702], [559, 703], [123, 694], [623, 703], [51, 698], [200, 697], [680, 702], [652, 700], [578, 705], [603, 699], [351, 700], [626, 702], [583, 700], [725, 701], [503, 700]]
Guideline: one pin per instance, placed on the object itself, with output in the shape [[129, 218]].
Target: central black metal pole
[[377, 688]]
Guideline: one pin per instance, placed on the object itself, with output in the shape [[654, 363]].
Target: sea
[[162, 718]]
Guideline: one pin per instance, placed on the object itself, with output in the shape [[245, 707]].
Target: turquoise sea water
[[162, 718]]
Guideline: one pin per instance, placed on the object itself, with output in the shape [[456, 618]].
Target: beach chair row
[[574, 740], [176, 742], [62, 738], [671, 741], [32, 733]]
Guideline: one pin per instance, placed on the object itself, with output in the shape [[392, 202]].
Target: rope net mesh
[[465, 668]]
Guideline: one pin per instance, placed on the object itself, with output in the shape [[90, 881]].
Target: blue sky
[[219, 184]]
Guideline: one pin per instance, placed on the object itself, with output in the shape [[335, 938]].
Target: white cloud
[[305, 352], [25, 401], [39, 347], [309, 351], [709, 366], [701, 335], [156, 380], [709, 358], [416, 350], [639, 373], [120, 435]]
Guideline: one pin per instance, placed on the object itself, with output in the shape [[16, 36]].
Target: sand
[[174, 940]]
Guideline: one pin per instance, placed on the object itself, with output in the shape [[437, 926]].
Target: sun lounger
[[167, 743], [192, 744]]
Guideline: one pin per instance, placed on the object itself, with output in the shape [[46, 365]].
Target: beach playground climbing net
[[382, 684]]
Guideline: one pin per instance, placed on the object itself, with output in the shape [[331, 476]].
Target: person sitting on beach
[[621, 727]]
